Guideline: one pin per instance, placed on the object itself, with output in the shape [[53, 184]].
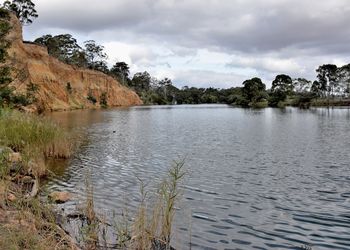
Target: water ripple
[[257, 179]]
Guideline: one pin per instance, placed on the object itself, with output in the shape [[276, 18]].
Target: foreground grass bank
[[26, 142]]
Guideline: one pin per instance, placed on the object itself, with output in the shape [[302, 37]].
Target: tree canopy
[[121, 71], [64, 47], [23, 9], [327, 77], [253, 91], [282, 86], [95, 55]]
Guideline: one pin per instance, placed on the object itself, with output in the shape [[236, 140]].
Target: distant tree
[[78, 58], [301, 85], [282, 83], [317, 89], [96, 57], [164, 85], [121, 71], [100, 66], [44, 40], [328, 78], [23, 9], [282, 86], [165, 82], [210, 95], [64, 47], [344, 79], [253, 91], [141, 81]]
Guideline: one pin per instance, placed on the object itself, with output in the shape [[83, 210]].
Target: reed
[[152, 227], [35, 137], [91, 226], [32, 135]]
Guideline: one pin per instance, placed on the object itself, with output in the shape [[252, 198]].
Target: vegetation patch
[[33, 136]]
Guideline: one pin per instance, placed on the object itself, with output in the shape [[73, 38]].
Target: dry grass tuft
[[152, 226]]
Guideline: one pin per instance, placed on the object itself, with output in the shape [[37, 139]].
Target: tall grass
[[33, 136], [152, 227], [90, 230], [31, 225]]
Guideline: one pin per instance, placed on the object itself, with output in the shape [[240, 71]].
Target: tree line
[[332, 86]]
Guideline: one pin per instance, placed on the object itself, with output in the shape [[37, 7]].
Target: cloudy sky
[[216, 43]]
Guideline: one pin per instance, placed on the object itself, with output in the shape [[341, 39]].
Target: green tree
[[344, 79], [317, 89], [253, 91], [328, 78], [282, 86], [23, 9], [64, 47], [141, 81], [121, 72], [95, 55], [164, 87]]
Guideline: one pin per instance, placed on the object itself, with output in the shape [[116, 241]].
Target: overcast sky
[[205, 43]]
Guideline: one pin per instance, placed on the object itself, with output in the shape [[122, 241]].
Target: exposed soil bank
[[33, 65]]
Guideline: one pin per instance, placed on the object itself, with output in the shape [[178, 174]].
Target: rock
[[60, 197], [11, 197], [14, 157]]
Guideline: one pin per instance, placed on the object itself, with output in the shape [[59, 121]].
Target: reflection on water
[[259, 179]]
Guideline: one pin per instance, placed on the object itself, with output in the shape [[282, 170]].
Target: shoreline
[[29, 219]]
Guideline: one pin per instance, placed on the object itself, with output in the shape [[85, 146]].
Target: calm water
[[258, 179]]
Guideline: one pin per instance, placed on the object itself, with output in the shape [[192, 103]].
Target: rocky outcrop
[[33, 64], [60, 197]]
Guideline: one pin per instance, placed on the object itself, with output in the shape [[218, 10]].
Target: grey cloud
[[233, 25], [304, 33]]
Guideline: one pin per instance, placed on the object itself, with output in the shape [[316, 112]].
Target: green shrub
[[91, 98], [103, 100]]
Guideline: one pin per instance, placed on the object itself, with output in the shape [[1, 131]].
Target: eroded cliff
[[60, 86]]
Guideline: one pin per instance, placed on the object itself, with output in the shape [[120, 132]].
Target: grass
[[31, 225], [151, 225], [260, 105], [90, 228], [324, 102], [35, 137], [25, 221]]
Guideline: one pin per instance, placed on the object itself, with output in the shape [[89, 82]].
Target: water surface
[[258, 179]]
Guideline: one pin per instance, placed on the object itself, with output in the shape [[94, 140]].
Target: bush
[[103, 100], [91, 98]]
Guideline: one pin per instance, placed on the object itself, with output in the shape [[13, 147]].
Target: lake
[[257, 179]]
